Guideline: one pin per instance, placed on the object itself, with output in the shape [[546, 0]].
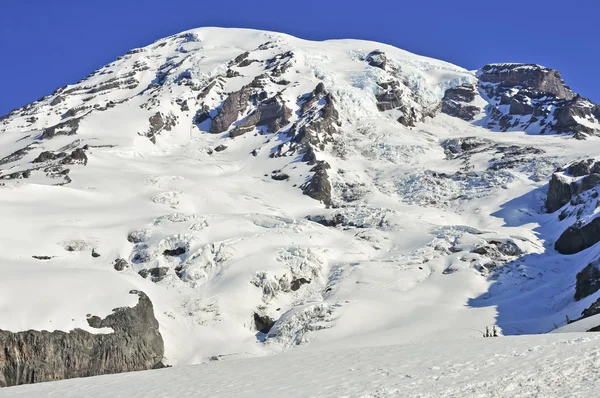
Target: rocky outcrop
[[535, 99], [377, 59], [457, 102], [578, 238], [319, 187], [570, 115], [48, 156], [396, 96], [39, 356], [68, 127], [531, 76], [120, 264], [588, 281], [272, 113], [156, 274], [581, 168], [78, 156], [562, 189], [158, 123], [559, 193], [263, 323]]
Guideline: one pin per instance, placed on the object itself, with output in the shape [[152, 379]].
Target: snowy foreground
[[553, 365]]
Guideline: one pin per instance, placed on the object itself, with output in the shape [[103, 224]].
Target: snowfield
[[556, 365], [386, 292]]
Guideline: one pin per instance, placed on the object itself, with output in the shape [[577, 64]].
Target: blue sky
[[45, 44]]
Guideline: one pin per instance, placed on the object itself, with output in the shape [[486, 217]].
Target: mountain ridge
[[266, 191]]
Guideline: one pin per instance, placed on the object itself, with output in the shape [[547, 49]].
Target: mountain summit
[[264, 192]]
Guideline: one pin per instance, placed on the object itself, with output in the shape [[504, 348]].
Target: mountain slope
[[266, 191]]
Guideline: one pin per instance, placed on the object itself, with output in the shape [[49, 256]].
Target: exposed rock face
[[233, 105], [588, 281], [377, 59], [396, 96], [571, 113], [263, 323], [120, 264], [531, 76], [319, 187], [592, 310], [156, 274], [78, 156], [581, 168], [559, 193], [271, 113], [561, 190], [47, 156], [39, 356], [524, 97], [577, 238], [158, 123], [68, 127], [457, 100]]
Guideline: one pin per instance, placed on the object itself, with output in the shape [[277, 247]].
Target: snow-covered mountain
[[266, 192]]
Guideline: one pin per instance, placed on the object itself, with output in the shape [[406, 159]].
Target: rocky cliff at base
[[38, 356]]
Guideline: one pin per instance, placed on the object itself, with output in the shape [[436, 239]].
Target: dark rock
[[530, 76], [18, 154], [47, 156], [588, 182], [121, 264], [296, 283], [175, 252], [77, 156], [559, 193], [377, 59], [271, 113], [68, 127], [319, 187], [232, 73], [235, 103], [337, 219], [57, 100], [263, 323], [569, 114], [464, 93], [239, 131], [578, 238], [588, 281], [592, 310], [241, 57], [520, 107], [136, 236], [95, 254], [156, 274], [40, 356], [246, 62], [581, 168], [202, 115], [480, 250], [158, 123], [280, 177], [220, 148], [456, 102], [42, 257]]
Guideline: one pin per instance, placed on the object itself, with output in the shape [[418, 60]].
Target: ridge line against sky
[[46, 45]]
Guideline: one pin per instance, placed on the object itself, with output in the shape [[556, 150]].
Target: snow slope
[[405, 265], [524, 366]]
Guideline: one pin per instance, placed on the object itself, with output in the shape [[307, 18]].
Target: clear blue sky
[[45, 44]]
